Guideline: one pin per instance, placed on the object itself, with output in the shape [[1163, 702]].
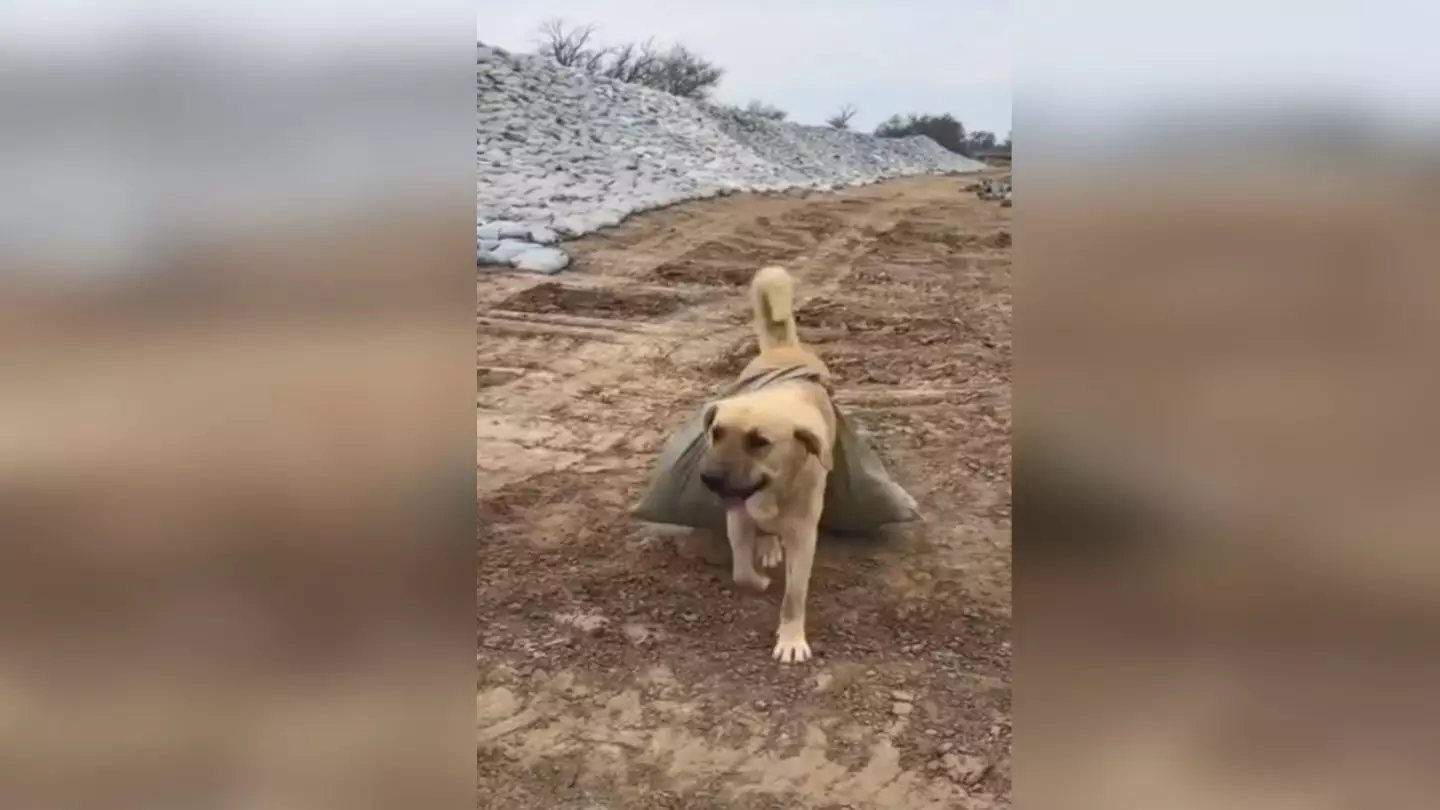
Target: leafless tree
[[681, 72], [841, 119], [942, 129], [631, 62], [569, 45], [678, 70], [981, 140]]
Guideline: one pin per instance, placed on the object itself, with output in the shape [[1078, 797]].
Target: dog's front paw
[[792, 649], [770, 552]]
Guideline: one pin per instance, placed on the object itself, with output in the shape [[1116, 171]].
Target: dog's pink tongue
[[735, 506]]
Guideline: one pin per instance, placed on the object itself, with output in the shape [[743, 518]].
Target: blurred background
[[1226, 486], [236, 464]]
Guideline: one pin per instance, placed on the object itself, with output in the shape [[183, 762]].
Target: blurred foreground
[[1225, 480], [236, 475], [1227, 402]]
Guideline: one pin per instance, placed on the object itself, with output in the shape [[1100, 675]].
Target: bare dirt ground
[[618, 667]]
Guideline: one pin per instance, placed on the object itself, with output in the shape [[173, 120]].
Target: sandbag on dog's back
[[860, 496]]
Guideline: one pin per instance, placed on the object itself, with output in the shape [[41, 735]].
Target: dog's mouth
[[734, 497]]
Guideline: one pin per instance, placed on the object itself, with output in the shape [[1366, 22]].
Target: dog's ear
[[707, 415], [812, 443]]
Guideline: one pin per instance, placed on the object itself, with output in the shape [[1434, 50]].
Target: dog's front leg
[[790, 643], [740, 528]]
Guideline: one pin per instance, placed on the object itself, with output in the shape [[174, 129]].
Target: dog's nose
[[713, 481]]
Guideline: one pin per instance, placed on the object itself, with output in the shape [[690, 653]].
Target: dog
[[768, 455]]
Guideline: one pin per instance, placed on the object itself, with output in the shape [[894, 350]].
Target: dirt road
[[618, 667]]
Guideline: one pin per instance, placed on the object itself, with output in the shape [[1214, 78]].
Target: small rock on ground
[[966, 769]]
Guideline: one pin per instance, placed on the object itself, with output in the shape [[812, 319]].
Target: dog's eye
[[717, 433], [755, 441]]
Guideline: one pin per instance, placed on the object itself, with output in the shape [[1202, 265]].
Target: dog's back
[[772, 300]]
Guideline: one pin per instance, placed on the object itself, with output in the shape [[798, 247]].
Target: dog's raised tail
[[772, 295]]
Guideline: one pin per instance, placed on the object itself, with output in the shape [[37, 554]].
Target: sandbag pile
[[561, 154]]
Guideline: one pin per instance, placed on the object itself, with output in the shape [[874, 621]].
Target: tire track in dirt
[[618, 670]]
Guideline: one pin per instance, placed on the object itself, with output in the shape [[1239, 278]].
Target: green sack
[[860, 497]]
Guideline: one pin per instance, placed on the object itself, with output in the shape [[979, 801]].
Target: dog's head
[[750, 448]]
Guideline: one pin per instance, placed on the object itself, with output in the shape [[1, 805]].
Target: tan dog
[[768, 456]]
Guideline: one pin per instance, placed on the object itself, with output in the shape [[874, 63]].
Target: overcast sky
[[1078, 57], [1099, 58], [808, 57]]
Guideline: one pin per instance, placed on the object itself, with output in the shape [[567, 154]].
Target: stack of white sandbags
[[562, 154]]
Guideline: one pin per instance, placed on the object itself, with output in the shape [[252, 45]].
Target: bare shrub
[[676, 70], [841, 119]]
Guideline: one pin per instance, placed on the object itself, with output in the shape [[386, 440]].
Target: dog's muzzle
[[720, 484]]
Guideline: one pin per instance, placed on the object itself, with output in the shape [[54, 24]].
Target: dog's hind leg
[[741, 531]]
